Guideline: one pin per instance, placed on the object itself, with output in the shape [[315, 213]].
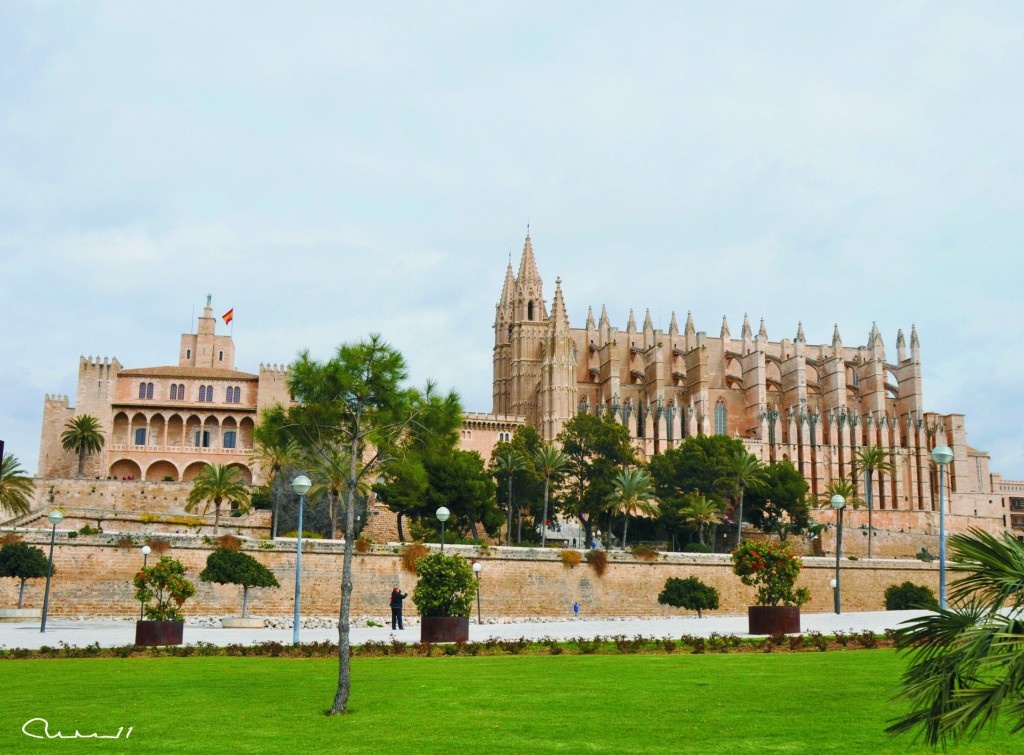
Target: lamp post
[[442, 515], [476, 570], [146, 550], [838, 502], [300, 486], [942, 456], [55, 518]]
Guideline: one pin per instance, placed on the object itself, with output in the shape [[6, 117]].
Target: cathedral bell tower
[[558, 370]]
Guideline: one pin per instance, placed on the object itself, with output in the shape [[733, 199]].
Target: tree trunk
[[714, 537], [21, 592], [519, 524], [700, 534], [398, 521], [245, 600], [867, 475], [344, 650], [588, 533], [273, 519], [472, 530], [508, 526], [625, 529], [216, 517], [334, 514], [81, 462], [544, 521]]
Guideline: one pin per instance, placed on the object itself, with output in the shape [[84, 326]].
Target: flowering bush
[[165, 581], [772, 568]]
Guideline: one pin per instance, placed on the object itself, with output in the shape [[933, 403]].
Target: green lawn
[[792, 702]]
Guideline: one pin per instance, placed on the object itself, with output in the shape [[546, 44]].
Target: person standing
[[397, 596], [576, 609]]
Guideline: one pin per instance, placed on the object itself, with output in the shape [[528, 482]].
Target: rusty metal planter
[[159, 632], [773, 619], [444, 629]]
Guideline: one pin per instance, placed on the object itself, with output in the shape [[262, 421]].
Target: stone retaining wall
[[93, 579]]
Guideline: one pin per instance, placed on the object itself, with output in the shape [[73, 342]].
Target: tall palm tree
[[740, 472], [550, 462], [215, 484], [845, 488], [967, 661], [272, 451], [82, 435], [632, 494], [331, 477], [872, 459], [701, 512], [508, 463], [15, 486]]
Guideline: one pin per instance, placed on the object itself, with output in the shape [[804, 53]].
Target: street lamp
[[476, 570], [300, 486], [442, 515], [55, 518], [838, 502], [942, 455], [146, 550]]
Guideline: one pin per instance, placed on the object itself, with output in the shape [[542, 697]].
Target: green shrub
[[925, 556], [772, 568], [696, 548], [226, 566], [165, 581], [23, 562], [644, 553], [908, 595], [689, 593], [446, 587]]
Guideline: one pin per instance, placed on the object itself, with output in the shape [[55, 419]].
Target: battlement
[[60, 399], [281, 370]]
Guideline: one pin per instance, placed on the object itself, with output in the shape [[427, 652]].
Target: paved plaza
[[110, 633]]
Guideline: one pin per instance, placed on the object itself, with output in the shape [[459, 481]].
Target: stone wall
[[93, 579]]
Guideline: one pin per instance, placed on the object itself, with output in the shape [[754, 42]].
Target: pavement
[[110, 632]]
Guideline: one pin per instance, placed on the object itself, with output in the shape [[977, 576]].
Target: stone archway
[[123, 468], [192, 471], [161, 470], [244, 473]]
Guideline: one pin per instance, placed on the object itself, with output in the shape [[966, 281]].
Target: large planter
[[773, 619], [444, 629], [239, 622], [159, 632], [11, 615]]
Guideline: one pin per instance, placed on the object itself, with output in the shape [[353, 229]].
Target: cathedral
[[814, 405]]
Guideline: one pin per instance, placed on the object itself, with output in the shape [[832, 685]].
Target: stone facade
[[93, 579], [815, 405], [166, 423]]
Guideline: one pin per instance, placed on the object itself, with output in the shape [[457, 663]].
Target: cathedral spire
[[673, 326], [762, 333], [690, 329], [527, 265], [725, 328], [590, 314], [604, 316], [631, 325], [915, 345], [559, 317], [800, 332], [648, 323], [746, 332], [901, 347], [837, 342], [508, 288]]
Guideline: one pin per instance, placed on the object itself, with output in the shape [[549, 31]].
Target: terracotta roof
[[189, 372]]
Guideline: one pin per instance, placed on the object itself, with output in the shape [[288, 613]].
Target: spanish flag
[[228, 316]]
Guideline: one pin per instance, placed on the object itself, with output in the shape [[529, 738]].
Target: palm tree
[[331, 477], [632, 494], [273, 450], [967, 662], [82, 435], [15, 486], [701, 512], [509, 462], [845, 488], [741, 471], [217, 483], [872, 459], [550, 462]]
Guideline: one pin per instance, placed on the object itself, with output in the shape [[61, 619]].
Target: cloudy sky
[[331, 169]]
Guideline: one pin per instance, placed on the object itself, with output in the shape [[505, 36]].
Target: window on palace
[[229, 439], [1017, 504], [174, 391], [238, 395], [202, 393], [140, 436], [202, 439], [1017, 521], [188, 353], [209, 393], [181, 391], [220, 356], [142, 390], [720, 418], [856, 379]]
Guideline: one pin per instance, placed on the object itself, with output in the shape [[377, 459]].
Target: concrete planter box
[[435, 629], [773, 619], [159, 632], [238, 622], [12, 615]]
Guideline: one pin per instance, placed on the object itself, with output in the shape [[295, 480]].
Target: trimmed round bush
[[696, 548], [909, 596]]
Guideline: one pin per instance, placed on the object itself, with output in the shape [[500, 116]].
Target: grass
[[834, 702]]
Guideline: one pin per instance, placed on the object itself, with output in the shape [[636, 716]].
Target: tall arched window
[[220, 356], [228, 392], [529, 311], [174, 391], [142, 390], [209, 393], [149, 390], [181, 391], [237, 395], [202, 393], [720, 418], [188, 353]]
